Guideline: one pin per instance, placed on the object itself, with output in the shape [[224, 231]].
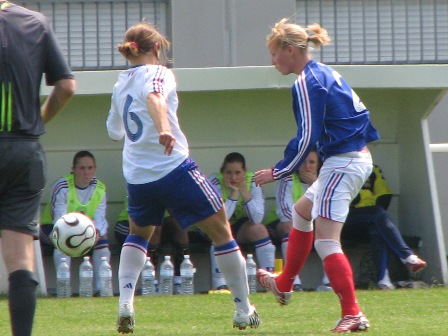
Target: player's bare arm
[[63, 90], [158, 111]]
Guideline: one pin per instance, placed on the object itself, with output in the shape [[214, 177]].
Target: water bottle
[[187, 271], [105, 278], [166, 277], [147, 278], [86, 278], [63, 280], [251, 269]]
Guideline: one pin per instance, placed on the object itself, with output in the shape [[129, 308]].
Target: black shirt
[[28, 50]]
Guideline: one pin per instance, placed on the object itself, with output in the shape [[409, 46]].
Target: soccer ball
[[74, 234]]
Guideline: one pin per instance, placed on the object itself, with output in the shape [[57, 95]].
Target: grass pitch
[[399, 312]]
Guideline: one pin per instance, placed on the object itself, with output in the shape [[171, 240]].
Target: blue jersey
[[329, 116]]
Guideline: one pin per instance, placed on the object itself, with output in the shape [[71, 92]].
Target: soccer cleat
[[324, 288], [386, 286], [416, 265], [297, 288], [351, 323], [125, 322], [241, 320], [267, 280]]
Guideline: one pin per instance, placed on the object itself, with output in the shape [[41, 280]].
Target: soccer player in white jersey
[[330, 116], [160, 175]]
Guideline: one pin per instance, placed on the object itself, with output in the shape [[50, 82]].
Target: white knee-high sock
[[217, 278], [233, 267], [265, 253], [96, 262], [132, 260]]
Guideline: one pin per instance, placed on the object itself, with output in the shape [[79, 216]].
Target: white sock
[[233, 267], [96, 262], [132, 260], [217, 277], [265, 253], [325, 279], [297, 280], [386, 280], [284, 248]]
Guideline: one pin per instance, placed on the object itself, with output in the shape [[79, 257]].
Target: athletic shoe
[[297, 288], [385, 286], [324, 288], [241, 320], [416, 265], [267, 280], [351, 323], [125, 322], [220, 290]]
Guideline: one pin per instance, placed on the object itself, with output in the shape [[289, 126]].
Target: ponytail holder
[[134, 44], [308, 39]]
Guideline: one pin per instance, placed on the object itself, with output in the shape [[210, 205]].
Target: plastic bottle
[[105, 278], [251, 268], [166, 277], [187, 271], [147, 278], [63, 280], [86, 278]]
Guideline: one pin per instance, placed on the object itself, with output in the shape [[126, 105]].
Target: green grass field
[[399, 312]]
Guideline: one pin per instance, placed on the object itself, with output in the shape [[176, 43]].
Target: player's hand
[[263, 176], [307, 176], [167, 140]]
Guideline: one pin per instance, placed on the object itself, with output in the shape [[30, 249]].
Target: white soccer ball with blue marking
[[74, 234]]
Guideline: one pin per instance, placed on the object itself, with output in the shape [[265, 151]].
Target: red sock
[[340, 274], [299, 247]]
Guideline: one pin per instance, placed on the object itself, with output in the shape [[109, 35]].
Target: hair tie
[[308, 39], [134, 44]]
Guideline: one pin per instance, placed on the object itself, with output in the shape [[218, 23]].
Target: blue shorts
[[185, 192]]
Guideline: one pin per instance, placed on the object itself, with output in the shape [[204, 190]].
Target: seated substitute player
[[244, 203], [169, 232], [288, 191], [368, 218], [80, 191]]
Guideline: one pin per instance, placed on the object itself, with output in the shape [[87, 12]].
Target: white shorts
[[340, 179]]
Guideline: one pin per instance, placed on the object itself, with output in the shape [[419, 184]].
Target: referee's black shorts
[[23, 174]]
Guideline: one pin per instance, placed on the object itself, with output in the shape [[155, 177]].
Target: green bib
[[73, 204], [239, 211]]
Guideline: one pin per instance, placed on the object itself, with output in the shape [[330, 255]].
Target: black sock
[[22, 301]]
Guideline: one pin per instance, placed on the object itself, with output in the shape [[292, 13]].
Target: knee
[[326, 247]]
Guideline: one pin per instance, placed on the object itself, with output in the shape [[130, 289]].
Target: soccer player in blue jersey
[[160, 175], [330, 116]]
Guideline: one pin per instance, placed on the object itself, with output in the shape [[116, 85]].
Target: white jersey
[[144, 159], [59, 201]]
